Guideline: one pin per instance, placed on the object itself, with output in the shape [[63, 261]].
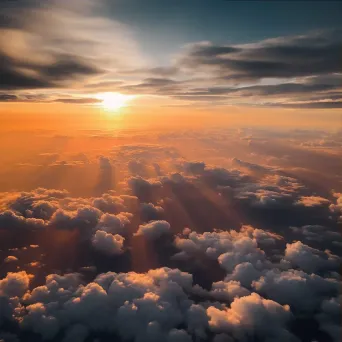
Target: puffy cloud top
[[153, 230]]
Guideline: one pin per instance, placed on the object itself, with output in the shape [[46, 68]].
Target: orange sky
[[23, 116]]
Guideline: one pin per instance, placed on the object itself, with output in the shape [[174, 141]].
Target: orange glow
[[114, 101]]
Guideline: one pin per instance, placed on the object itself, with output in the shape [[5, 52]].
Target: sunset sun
[[113, 101]]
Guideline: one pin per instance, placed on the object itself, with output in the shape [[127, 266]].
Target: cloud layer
[[238, 249]]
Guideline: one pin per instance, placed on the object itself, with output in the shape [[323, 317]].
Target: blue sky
[[164, 25]]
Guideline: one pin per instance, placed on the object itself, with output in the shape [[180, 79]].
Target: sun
[[113, 101]]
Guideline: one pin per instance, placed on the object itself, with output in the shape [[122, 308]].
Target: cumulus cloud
[[151, 212], [230, 248], [309, 259], [337, 208], [108, 243], [15, 284], [113, 204], [114, 224], [312, 233], [10, 220], [153, 230], [251, 254], [303, 292], [228, 290], [145, 306], [251, 315]]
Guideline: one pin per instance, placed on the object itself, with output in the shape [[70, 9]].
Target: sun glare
[[113, 101]]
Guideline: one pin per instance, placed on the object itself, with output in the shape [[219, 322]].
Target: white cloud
[[108, 243], [309, 259], [153, 230], [252, 315], [15, 284], [114, 224], [303, 292], [230, 248]]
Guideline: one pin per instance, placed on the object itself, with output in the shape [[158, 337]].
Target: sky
[[170, 171], [197, 55]]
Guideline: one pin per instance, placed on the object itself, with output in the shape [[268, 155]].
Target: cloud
[[12, 221], [85, 216], [114, 224], [228, 291], [78, 100], [249, 250], [226, 73], [15, 284], [329, 317], [337, 208], [108, 243], [8, 97], [230, 248], [312, 233], [277, 57], [252, 314], [309, 259], [153, 230], [313, 201], [245, 273], [76, 333], [129, 304], [269, 73], [10, 258], [250, 166], [154, 85], [303, 292], [322, 104], [56, 59], [143, 188], [114, 204], [151, 212], [47, 76]]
